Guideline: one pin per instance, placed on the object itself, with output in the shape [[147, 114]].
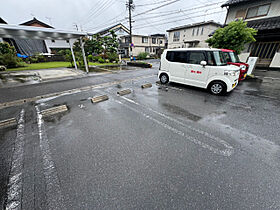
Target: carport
[[29, 32]]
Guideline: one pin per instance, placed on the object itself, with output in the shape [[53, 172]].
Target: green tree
[[8, 56], [234, 36]]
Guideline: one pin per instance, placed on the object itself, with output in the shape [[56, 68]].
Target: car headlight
[[243, 67], [230, 73]]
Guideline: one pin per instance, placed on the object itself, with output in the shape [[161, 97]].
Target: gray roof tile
[[232, 2]]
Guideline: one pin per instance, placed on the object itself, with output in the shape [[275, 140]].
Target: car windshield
[[234, 57], [219, 58]]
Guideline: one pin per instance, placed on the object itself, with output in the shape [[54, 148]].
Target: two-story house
[[263, 15], [153, 44], [192, 35]]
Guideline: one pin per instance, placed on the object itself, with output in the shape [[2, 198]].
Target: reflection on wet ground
[[180, 111], [111, 68]]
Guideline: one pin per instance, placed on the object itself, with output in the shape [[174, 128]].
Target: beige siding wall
[[187, 35], [139, 46], [274, 10]]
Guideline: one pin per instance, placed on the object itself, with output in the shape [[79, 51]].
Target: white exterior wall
[[273, 12], [187, 35], [1, 40], [276, 61], [59, 44]]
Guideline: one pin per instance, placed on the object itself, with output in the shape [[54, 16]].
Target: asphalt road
[[165, 147]]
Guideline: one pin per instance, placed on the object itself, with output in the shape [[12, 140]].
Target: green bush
[[113, 57], [101, 60], [95, 58], [90, 57], [142, 55], [40, 58], [8, 56], [9, 60]]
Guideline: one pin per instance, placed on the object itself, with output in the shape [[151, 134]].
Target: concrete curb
[[124, 92], [98, 99]]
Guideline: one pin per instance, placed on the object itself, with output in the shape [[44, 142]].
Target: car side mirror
[[203, 63]]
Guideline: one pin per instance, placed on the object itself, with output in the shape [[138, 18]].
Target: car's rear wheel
[[164, 79], [217, 88]]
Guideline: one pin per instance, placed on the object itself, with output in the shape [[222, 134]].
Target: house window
[[144, 39], [193, 32], [202, 29], [176, 36], [197, 32], [147, 49], [240, 14], [127, 39], [154, 40], [160, 42], [258, 11]]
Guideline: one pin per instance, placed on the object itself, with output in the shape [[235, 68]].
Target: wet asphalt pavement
[[165, 147]]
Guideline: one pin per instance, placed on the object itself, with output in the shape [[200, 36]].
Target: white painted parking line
[[54, 195], [228, 151], [14, 191]]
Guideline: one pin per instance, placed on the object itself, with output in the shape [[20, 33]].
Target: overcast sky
[[94, 15]]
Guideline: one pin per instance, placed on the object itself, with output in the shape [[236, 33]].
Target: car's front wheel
[[164, 79], [217, 88]]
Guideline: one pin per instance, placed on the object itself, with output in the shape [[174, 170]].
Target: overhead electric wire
[[149, 4], [105, 5], [94, 10], [151, 25], [156, 8], [175, 17], [160, 14], [172, 13]]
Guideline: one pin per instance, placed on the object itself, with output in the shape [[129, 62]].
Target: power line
[[149, 4], [109, 22], [173, 13], [144, 26], [104, 6], [156, 8]]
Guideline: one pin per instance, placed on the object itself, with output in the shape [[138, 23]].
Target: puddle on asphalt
[[110, 68], [18, 78], [182, 112]]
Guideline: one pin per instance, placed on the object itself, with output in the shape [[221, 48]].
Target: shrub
[[113, 57], [101, 60], [40, 58], [142, 56], [8, 56], [9, 60], [95, 58], [90, 58], [107, 61]]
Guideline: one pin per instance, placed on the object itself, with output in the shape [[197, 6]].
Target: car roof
[[194, 49]]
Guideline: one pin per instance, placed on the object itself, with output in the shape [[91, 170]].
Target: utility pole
[[130, 6]]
